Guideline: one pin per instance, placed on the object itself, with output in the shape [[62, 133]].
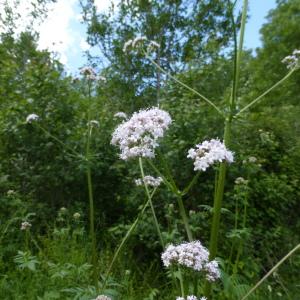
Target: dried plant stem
[[271, 271]]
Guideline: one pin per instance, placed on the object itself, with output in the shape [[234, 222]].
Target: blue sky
[[63, 33]]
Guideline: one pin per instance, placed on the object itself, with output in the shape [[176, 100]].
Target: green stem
[[191, 184], [215, 227], [181, 283], [184, 218], [265, 93], [57, 140], [167, 183], [90, 189], [151, 204], [184, 85], [271, 271], [240, 246], [129, 232]]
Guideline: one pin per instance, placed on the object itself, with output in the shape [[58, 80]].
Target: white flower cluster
[[209, 152], [192, 255], [138, 136], [76, 216], [292, 61], [212, 269], [32, 117], [89, 73], [191, 297], [121, 115], [139, 40], [102, 297], [25, 225], [240, 181], [149, 180]]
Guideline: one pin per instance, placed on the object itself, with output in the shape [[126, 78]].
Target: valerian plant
[[133, 142]]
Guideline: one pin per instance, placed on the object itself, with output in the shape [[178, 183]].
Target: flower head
[[93, 123], [121, 115], [192, 255], [138, 137], [152, 46], [292, 61], [25, 225], [32, 117], [209, 152], [240, 181], [191, 297], [127, 45], [102, 297], [140, 41], [76, 216], [149, 180], [10, 192], [89, 73]]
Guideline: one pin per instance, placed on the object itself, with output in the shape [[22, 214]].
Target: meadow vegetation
[[172, 170]]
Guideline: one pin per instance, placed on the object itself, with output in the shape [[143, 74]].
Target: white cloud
[[56, 33], [104, 5], [84, 45]]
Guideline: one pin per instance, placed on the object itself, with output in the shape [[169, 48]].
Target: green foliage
[[39, 176]]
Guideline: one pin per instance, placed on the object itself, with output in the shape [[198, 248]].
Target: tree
[[189, 33]]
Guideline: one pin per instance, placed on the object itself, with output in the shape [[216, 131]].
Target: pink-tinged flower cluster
[[89, 73], [149, 180], [208, 153], [32, 117], [192, 255], [25, 225], [191, 297], [292, 61], [138, 137]]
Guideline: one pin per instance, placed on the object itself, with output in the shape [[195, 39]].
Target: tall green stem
[[151, 204], [213, 245], [184, 218], [90, 188]]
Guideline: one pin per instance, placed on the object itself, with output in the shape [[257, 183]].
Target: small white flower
[[25, 225], [89, 73], [150, 181], [76, 216], [32, 117], [138, 137], [63, 209], [10, 192], [127, 45], [102, 297], [101, 78], [94, 123], [138, 40], [212, 269], [292, 61], [208, 153], [240, 180], [152, 46], [191, 297], [121, 115]]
